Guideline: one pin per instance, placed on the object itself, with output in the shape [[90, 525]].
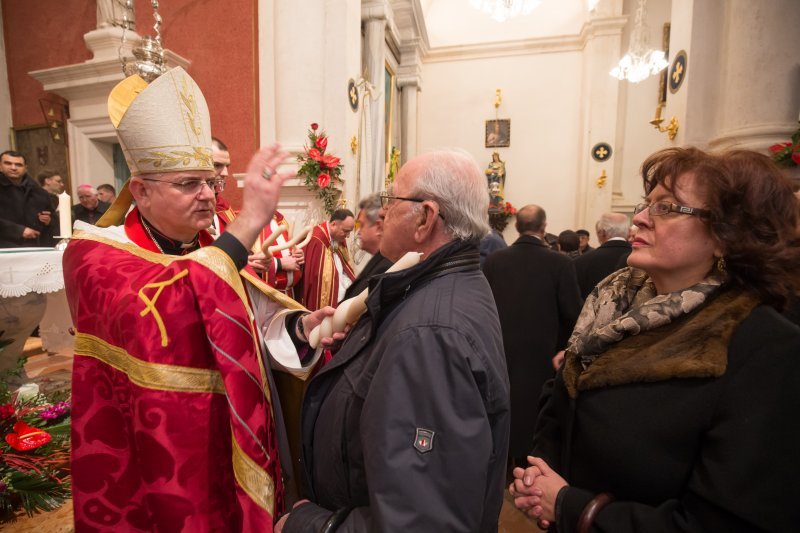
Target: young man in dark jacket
[[26, 217]]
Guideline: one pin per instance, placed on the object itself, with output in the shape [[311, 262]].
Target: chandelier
[[501, 10], [641, 61]]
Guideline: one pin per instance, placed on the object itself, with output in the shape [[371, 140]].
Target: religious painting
[[42, 150], [498, 133]]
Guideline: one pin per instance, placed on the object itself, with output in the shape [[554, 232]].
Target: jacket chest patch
[[424, 440]]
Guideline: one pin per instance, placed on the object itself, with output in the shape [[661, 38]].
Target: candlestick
[[65, 215]]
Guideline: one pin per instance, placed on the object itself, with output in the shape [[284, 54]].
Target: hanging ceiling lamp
[[641, 61], [501, 10]]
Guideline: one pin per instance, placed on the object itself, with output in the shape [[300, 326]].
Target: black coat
[[376, 265], [20, 206], [81, 213], [689, 454], [594, 266], [538, 302], [428, 355]]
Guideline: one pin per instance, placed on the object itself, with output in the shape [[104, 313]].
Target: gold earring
[[721, 265]]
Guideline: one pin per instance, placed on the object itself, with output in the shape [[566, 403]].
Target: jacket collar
[[531, 239]]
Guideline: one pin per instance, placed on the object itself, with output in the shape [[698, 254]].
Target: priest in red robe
[[328, 272], [175, 424]]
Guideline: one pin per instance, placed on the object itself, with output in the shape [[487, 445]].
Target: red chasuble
[[321, 280], [173, 428], [277, 279]]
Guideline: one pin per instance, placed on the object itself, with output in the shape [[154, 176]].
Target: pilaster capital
[[375, 11]]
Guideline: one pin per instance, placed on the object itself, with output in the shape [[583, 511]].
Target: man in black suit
[[90, 208], [611, 255], [370, 232], [538, 302]]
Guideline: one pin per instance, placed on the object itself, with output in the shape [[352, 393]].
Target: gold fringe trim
[[149, 375], [253, 479]]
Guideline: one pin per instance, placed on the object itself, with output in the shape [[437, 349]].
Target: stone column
[[409, 79], [599, 121], [741, 84], [374, 19], [305, 58]]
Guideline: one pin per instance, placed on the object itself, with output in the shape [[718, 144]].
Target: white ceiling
[[456, 22]]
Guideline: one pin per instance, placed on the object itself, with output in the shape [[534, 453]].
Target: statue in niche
[[496, 179], [115, 13]]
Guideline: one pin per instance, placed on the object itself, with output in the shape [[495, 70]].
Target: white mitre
[[163, 126]]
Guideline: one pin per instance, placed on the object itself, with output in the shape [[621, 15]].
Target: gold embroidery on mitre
[[150, 303], [191, 108], [253, 479], [167, 159], [150, 375]]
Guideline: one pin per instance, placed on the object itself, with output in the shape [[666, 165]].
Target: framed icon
[[498, 133]]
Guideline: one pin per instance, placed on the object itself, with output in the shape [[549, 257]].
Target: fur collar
[[694, 346]]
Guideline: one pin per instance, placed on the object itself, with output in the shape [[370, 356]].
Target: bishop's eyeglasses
[[193, 185]]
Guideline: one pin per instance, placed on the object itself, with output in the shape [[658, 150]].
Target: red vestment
[[278, 279], [321, 279], [172, 420]]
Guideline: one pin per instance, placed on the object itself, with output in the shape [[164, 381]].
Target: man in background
[[283, 270], [611, 255], [52, 182], [106, 193], [583, 246], [369, 235], [26, 214], [328, 272], [538, 302], [569, 243], [90, 208]]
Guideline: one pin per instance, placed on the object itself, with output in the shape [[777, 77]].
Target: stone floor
[[52, 372]]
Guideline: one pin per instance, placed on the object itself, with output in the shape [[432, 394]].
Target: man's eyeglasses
[[193, 185], [387, 200], [657, 209]]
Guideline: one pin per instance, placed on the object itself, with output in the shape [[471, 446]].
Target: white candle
[[65, 215]]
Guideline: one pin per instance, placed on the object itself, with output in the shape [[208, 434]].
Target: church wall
[[541, 96], [218, 37], [39, 35], [5, 96]]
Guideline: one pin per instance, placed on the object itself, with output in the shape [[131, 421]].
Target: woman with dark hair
[[676, 408]]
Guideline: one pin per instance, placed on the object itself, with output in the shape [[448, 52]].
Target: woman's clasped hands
[[535, 490]]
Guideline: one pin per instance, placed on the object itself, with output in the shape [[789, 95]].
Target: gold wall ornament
[[498, 98], [354, 144], [601, 181], [671, 128]]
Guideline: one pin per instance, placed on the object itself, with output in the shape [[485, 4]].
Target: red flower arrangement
[[320, 171], [787, 154], [34, 453], [499, 215]]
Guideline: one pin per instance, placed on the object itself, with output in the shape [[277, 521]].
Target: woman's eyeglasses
[[657, 209]]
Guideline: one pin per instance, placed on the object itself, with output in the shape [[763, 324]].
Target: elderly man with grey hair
[[369, 233], [90, 208], [406, 428], [610, 256]]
